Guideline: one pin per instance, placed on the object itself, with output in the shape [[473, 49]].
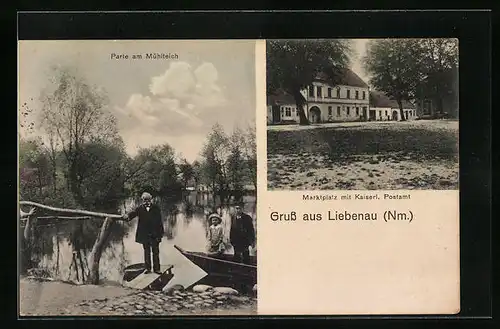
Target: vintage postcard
[[137, 187], [140, 164], [359, 207]]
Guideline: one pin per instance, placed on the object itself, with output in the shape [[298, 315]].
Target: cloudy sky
[[155, 101]]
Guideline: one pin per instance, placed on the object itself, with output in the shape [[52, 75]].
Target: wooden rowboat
[[222, 269], [132, 271]]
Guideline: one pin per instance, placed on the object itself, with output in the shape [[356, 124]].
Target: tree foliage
[[406, 69], [228, 162], [187, 172], [101, 174], [154, 170], [439, 59], [73, 114], [292, 65], [395, 68]]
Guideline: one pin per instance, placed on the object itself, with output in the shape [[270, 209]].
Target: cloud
[[182, 98], [178, 81], [206, 74], [174, 106], [199, 88]]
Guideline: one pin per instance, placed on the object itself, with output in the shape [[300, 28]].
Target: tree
[[292, 65], [236, 166], [215, 154], [155, 171], [101, 174], [250, 153], [197, 173], [35, 169], [187, 172], [74, 113], [439, 58], [395, 68]]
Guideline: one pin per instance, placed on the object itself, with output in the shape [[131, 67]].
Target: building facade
[[382, 108], [348, 100]]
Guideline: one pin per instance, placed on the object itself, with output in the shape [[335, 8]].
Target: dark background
[[473, 28]]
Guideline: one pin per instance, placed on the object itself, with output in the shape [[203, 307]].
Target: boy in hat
[[149, 230]]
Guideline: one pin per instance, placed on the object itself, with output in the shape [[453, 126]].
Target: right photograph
[[362, 114]]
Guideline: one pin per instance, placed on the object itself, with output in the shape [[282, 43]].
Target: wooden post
[[95, 255]]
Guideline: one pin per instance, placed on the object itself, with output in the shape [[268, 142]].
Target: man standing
[[149, 230], [242, 235]]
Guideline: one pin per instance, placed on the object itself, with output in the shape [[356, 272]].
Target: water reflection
[[61, 249]]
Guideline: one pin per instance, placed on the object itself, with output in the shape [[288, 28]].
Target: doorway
[[315, 114], [276, 114]]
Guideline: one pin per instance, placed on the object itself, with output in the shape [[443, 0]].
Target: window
[[357, 110], [288, 111], [357, 94], [364, 95], [347, 110], [386, 112], [311, 90], [318, 91], [330, 92], [330, 110], [348, 93], [338, 111], [338, 92]]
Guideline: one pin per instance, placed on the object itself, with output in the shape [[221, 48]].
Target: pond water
[[61, 249]]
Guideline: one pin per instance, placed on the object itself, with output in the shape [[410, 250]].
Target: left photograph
[[137, 178]]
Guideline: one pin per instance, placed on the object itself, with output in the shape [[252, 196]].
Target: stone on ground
[[201, 288], [226, 291]]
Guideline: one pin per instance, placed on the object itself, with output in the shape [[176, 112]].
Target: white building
[[347, 100], [382, 108]]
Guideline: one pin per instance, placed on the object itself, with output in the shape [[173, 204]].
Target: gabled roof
[[380, 99], [280, 97], [346, 77]]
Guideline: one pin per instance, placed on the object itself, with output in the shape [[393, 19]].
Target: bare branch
[[70, 211]]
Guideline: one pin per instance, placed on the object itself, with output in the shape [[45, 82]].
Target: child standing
[[215, 235]]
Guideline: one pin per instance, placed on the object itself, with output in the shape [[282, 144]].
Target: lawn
[[369, 155]]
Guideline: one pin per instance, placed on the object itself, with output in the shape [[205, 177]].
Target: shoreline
[[56, 298]]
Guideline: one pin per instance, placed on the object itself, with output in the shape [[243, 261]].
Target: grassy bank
[[373, 155]]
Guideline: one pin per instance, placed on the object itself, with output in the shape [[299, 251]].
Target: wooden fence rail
[[95, 255]]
